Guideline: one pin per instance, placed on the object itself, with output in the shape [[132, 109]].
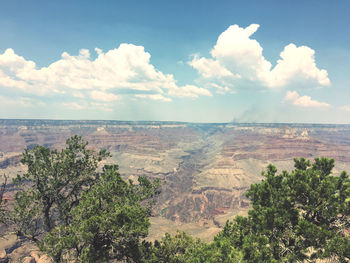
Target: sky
[[195, 61]]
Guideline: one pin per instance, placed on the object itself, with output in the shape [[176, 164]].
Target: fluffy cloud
[[303, 101], [159, 97], [299, 63], [237, 59], [127, 67], [209, 68]]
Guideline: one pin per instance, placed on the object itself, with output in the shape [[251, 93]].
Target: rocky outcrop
[[36, 257]]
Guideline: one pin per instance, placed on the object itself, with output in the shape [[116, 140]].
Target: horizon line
[[171, 121]]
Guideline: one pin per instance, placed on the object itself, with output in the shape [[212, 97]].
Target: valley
[[206, 168]]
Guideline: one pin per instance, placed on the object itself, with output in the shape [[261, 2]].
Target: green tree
[[53, 184], [108, 223], [172, 249], [296, 216], [3, 202], [75, 210], [182, 248]]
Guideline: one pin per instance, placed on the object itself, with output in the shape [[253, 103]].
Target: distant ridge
[[53, 122]]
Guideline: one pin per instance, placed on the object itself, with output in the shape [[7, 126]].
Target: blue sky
[[201, 61]]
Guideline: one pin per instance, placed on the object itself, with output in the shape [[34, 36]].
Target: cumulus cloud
[[238, 59], [303, 101], [159, 97], [127, 67], [297, 63], [210, 68]]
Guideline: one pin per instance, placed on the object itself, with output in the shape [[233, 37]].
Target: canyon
[[206, 167]]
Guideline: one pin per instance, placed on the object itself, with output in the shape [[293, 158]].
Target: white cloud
[[209, 68], [125, 67], [12, 67], [222, 89], [303, 101], [189, 91], [103, 96], [159, 97], [238, 56], [296, 62]]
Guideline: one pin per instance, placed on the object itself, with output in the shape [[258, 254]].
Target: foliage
[[26, 215], [172, 249], [296, 216], [182, 248], [75, 212], [56, 181], [3, 202], [108, 223]]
